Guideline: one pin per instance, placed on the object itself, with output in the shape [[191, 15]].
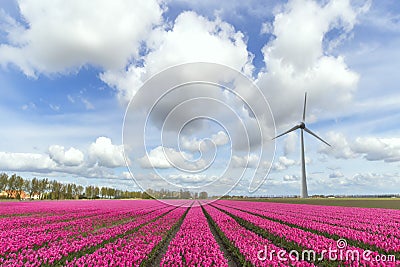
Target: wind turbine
[[302, 127]]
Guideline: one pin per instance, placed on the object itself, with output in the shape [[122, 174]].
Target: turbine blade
[[288, 131], [310, 132], [304, 107]]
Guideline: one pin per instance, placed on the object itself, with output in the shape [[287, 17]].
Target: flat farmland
[[196, 233], [384, 203]]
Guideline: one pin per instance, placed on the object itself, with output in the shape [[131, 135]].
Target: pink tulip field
[[195, 233]]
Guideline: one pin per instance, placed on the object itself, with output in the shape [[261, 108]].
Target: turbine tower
[[302, 127]]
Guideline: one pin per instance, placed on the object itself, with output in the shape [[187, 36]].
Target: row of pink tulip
[[37, 219], [58, 212], [42, 233], [249, 243], [386, 239], [75, 237], [132, 249], [63, 215], [63, 211], [39, 208], [124, 233], [309, 240], [194, 244], [379, 221], [356, 218]]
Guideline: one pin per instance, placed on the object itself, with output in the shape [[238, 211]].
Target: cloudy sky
[[68, 70]]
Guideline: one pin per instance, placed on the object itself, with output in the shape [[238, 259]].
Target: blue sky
[[67, 74]]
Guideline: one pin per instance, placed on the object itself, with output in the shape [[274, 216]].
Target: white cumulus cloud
[[290, 143], [63, 36], [298, 61], [290, 178], [71, 157], [370, 148], [374, 148], [336, 174], [249, 161], [165, 157], [283, 163], [194, 144], [106, 154], [26, 162], [192, 38], [340, 146]]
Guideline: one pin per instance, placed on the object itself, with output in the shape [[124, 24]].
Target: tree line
[[15, 186]]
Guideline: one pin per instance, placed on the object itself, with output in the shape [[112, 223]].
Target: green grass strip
[[350, 242], [236, 255], [280, 241], [151, 258], [92, 249]]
